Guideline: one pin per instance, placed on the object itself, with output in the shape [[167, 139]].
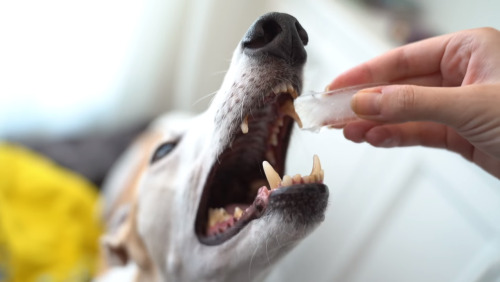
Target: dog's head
[[211, 205]]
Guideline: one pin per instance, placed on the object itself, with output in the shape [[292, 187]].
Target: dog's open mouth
[[247, 173]]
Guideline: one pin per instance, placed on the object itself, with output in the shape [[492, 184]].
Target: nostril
[[302, 33], [263, 33]]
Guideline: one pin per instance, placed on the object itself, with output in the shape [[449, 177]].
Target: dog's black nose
[[279, 35]]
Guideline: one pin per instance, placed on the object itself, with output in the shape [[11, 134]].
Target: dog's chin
[[245, 183]]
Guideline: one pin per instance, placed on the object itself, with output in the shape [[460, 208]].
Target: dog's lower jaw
[[248, 258]]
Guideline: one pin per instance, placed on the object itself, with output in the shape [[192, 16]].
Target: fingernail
[[366, 103]]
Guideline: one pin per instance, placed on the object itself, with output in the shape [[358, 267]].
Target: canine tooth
[[297, 178], [314, 178], [322, 175], [272, 176], [316, 169], [244, 125], [287, 180], [288, 109], [238, 213]]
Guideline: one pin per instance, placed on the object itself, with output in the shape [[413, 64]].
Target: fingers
[[394, 135], [419, 59], [402, 103], [461, 58], [427, 134], [458, 113]]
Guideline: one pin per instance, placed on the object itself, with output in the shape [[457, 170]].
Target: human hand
[[444, 93]]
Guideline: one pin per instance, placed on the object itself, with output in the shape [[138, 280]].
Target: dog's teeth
[[280, 122], [217, 215], [274, 140], [287, 181], [277, 89], [306, 179], [297, 178], [244, 125], [317, 172], [272, 176], [237, 213], [292, 92], [283, 88], [289, 110], [316, 166]]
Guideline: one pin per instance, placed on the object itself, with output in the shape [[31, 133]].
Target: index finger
[[421, 59]]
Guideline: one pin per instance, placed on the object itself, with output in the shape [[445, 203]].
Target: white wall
[[450, 16]]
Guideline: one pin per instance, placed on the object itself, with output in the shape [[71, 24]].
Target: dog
[[204, 198]]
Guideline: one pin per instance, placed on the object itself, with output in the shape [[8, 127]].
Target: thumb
[[402, 103]]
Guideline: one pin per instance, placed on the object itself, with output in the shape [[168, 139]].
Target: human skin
[[441, 92]]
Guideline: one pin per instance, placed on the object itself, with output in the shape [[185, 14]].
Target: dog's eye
[[163, 150]]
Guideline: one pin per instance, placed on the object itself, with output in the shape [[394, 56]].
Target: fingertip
[[351, 77], [355, 131], [381, 137], [354, 134]]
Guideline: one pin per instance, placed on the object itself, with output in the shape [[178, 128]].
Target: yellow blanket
[[49, 227]]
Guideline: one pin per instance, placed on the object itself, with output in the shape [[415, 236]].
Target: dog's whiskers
[[251, 261], [209, 95], [242, 108], [267, 253]]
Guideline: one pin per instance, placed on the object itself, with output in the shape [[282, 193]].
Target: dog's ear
[[114, 246], [125, 244]]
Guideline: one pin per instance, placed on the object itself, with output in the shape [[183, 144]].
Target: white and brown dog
[[188, 201]]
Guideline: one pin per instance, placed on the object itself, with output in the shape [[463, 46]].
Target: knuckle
[[482, 34], [487, 31], [406, 99]]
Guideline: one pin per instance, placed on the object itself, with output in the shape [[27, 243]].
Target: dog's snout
[[279, 35]]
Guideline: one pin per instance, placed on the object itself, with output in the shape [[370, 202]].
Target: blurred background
[[73, 69]]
